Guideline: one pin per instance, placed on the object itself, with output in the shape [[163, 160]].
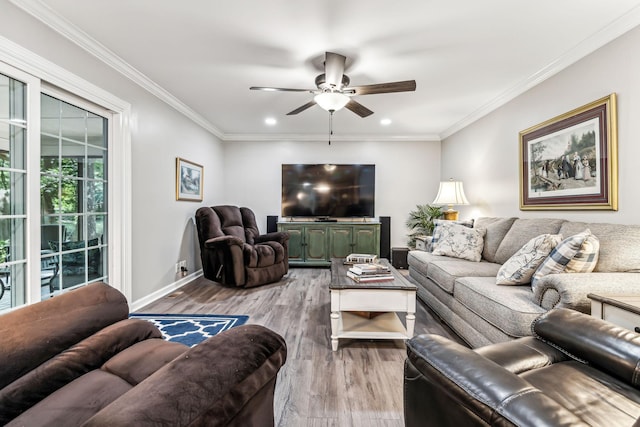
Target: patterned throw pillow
[[437, 230], [520, 267], [582, 247], [459, 241]]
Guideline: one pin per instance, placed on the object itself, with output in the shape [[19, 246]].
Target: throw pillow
[[437, 230], [459, 241], [520, 267], [565, 252], [587, 257]]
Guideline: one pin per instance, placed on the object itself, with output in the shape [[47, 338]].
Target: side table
[[622, 310]]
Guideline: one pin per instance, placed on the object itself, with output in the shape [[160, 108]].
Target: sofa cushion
[[76, 402], [459, 241], [139, 361], [496, 228], [619, 245], [445, 273], [509, 308], [562, 254], [421, 260], [520, 267], [521, 232]]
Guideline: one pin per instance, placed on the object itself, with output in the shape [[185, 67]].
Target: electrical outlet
[[183, 264]]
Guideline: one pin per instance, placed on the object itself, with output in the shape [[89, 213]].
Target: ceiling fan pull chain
[[330, 125]]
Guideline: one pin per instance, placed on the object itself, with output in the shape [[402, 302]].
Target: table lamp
[[450, 193]]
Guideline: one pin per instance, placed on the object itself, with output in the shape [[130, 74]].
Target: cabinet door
[[366, 240], [340, 241], [315, 243], [296, 240]]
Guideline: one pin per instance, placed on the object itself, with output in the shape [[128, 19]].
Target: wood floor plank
[[358, 385]]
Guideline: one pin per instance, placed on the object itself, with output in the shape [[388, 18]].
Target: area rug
[[190, 329]]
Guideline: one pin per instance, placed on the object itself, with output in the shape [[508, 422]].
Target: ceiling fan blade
[[404, 86], [281, 89], [358, 108], [302, 108], [334, 69]]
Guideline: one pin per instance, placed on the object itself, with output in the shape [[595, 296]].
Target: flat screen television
[[328, 190]]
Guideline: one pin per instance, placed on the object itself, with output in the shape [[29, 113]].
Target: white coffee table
[[348, 296]]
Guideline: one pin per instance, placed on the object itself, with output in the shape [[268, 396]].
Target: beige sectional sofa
[[465, 294]]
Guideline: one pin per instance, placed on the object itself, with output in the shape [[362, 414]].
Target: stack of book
[[369, 273]]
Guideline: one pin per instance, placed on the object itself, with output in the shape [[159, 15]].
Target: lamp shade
[[451, 193], [331, 101]]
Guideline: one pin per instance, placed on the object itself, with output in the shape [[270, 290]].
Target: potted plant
[[421, 222]]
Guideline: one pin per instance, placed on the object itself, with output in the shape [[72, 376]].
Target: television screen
[[332, 191]]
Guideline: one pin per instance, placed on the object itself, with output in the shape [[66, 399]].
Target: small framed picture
[[571, 161], [188, 180]]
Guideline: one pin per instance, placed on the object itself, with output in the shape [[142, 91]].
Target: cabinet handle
[[637, 329]]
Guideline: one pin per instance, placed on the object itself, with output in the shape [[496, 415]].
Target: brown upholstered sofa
[[233, 251], [77, 360], [576, 370]]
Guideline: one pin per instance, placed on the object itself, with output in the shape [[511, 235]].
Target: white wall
[[407, 173], [485, 154], [162, 230]]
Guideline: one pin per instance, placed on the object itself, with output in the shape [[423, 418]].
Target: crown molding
[[607, 34], [299, 137], [47, 16]]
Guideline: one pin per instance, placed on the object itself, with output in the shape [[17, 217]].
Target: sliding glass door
[[13, 170], [73, 190]]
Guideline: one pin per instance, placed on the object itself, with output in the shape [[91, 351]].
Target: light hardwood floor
[[358, 385]]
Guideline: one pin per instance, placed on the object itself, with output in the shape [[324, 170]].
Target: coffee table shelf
[[347, 296]]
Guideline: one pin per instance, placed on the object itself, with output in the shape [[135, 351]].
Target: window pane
[[95, 196], [12, 153], [72, 227], [12, 238], [73, 123], [12, 193], [96, 163], [72, 159], [96, 227], [50, 112], [96, 130]]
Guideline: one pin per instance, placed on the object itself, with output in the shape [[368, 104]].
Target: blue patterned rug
[[190, 329]]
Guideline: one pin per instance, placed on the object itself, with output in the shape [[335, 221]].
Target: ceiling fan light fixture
[[331, 101]]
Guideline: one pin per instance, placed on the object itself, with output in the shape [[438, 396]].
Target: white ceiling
[[467, 56]]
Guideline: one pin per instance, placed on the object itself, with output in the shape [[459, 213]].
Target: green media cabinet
[[313, 244]]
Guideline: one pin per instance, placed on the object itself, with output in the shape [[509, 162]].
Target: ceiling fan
[[333, 91]]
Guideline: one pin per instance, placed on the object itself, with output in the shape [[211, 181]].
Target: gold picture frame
[[189, 180], [570, 162]]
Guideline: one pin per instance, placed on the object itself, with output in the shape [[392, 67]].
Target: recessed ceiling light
[[385, 122], [270, 121]]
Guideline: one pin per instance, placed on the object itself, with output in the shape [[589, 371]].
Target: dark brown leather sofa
[[233, 251], [576, 370], [77, 360]]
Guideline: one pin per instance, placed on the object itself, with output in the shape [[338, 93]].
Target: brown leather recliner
[[234, 252], [576, 370]]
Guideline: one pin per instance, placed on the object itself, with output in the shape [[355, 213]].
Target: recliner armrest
[[466, 387], [223, 241], [611, 348], [213, 383], [277, 236]]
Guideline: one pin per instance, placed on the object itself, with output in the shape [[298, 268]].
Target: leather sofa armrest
[[223, 241], [460, 387], [213, 383], [522, 354], [276, 236], [611, 348]]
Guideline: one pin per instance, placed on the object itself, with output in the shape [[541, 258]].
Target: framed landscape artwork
[[571, 161], [188, 180]]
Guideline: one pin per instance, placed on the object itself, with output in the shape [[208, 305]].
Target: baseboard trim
[[137, 305]]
